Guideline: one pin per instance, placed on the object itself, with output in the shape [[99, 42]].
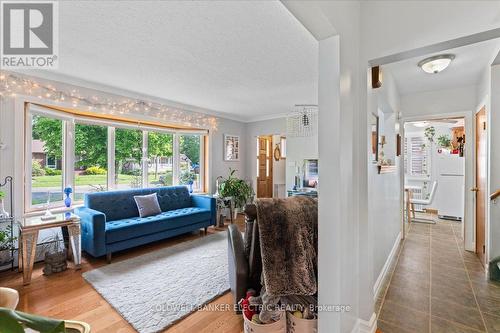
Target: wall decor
[[277, 152], [231, 147], [376, 77]]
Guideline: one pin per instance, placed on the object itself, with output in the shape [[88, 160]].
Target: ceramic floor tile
[[432, 261], [439, 325], [450, 271], [411, 282], [489, 304], [386, 327], [492, 323], [469, 317], [407, 319], [462, 296], [411, 299]]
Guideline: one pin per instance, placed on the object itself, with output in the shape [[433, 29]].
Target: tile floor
[[436, 286]]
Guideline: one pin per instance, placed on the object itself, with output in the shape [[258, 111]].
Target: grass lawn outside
[[83, 180]]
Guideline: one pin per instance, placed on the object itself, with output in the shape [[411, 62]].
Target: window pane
[[46, 159], [91, 159], [189, 164], [128, 155], [160, 161]]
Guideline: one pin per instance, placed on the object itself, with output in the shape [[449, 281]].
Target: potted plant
[[237, 189], [55, 255], [429, 133], [6, 245], [444, 141], [16, 321], [3, 213]]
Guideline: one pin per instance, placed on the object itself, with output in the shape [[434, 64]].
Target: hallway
[[436, 286]]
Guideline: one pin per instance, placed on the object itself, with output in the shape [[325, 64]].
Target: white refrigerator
[[451, 186]]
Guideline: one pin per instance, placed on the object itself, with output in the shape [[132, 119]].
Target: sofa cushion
[[118, 205], [136, 226], [147, 205]]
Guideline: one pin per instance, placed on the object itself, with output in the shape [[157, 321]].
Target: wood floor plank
[[67, 295]]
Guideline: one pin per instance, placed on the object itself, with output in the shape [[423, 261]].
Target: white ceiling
[[247, 59], [466, 69]]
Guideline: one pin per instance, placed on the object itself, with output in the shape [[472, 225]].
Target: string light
[[14, 85]]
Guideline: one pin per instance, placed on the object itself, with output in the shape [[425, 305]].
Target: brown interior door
[[265, 167], [480, 189]]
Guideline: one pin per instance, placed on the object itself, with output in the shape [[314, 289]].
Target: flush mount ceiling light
[[421, 124], [436, 64]]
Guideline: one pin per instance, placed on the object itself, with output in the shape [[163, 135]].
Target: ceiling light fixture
[[421, 124], [436, 64]]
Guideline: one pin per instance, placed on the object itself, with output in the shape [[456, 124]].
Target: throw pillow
[[147, 205]]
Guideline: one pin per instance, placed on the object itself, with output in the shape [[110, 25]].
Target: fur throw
[[288, 231]]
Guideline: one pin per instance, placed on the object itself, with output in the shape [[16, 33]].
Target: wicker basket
[[276, 327], [299, 325]]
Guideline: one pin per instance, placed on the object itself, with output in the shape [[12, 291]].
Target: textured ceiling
[[466, 69], [248, 59]]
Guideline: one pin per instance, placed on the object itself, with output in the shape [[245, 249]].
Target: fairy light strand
[[13, 85]]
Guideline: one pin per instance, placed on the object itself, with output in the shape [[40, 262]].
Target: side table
[[28, 236]]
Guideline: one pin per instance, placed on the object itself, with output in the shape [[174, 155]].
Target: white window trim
[[68, 147]]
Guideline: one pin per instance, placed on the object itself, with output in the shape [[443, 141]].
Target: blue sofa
[[110, 220]]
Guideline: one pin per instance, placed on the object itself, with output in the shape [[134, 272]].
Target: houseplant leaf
[[10, 318]]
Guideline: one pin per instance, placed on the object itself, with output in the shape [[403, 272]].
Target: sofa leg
[[206, 231], [108, 258]]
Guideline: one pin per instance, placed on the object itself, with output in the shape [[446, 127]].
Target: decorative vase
[[67, 200], [190, 185], [3, 212]]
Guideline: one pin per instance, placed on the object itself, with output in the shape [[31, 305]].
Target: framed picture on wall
[[231, 147]]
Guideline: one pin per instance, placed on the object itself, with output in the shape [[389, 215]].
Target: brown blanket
[[288, 231]]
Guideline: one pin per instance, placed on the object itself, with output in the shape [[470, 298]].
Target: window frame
[[69, 122], [410, 172]]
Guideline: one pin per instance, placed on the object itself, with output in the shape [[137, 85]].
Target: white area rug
[[155, 290]]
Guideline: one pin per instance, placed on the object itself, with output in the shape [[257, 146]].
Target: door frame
[[469, 222], [486, 190], [269, 139]]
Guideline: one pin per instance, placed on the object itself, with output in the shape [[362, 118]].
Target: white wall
[[385, 203], [218, 166], [439, 102]]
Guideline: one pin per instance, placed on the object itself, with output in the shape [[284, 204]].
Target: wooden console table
[[28, 237]]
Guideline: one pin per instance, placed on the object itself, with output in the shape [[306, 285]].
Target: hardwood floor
[[68, 296]]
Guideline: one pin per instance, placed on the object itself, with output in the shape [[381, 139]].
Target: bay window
[[91, 159], [44, 169], [91, 154], [128, 158]]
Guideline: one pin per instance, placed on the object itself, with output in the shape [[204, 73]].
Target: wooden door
[[264, 167], [480, 189]]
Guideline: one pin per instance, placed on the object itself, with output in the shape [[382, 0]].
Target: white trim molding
[[383, 272], [363, 326]]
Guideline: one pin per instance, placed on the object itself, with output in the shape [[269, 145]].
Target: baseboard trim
[[363, 326], [383, 273]]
